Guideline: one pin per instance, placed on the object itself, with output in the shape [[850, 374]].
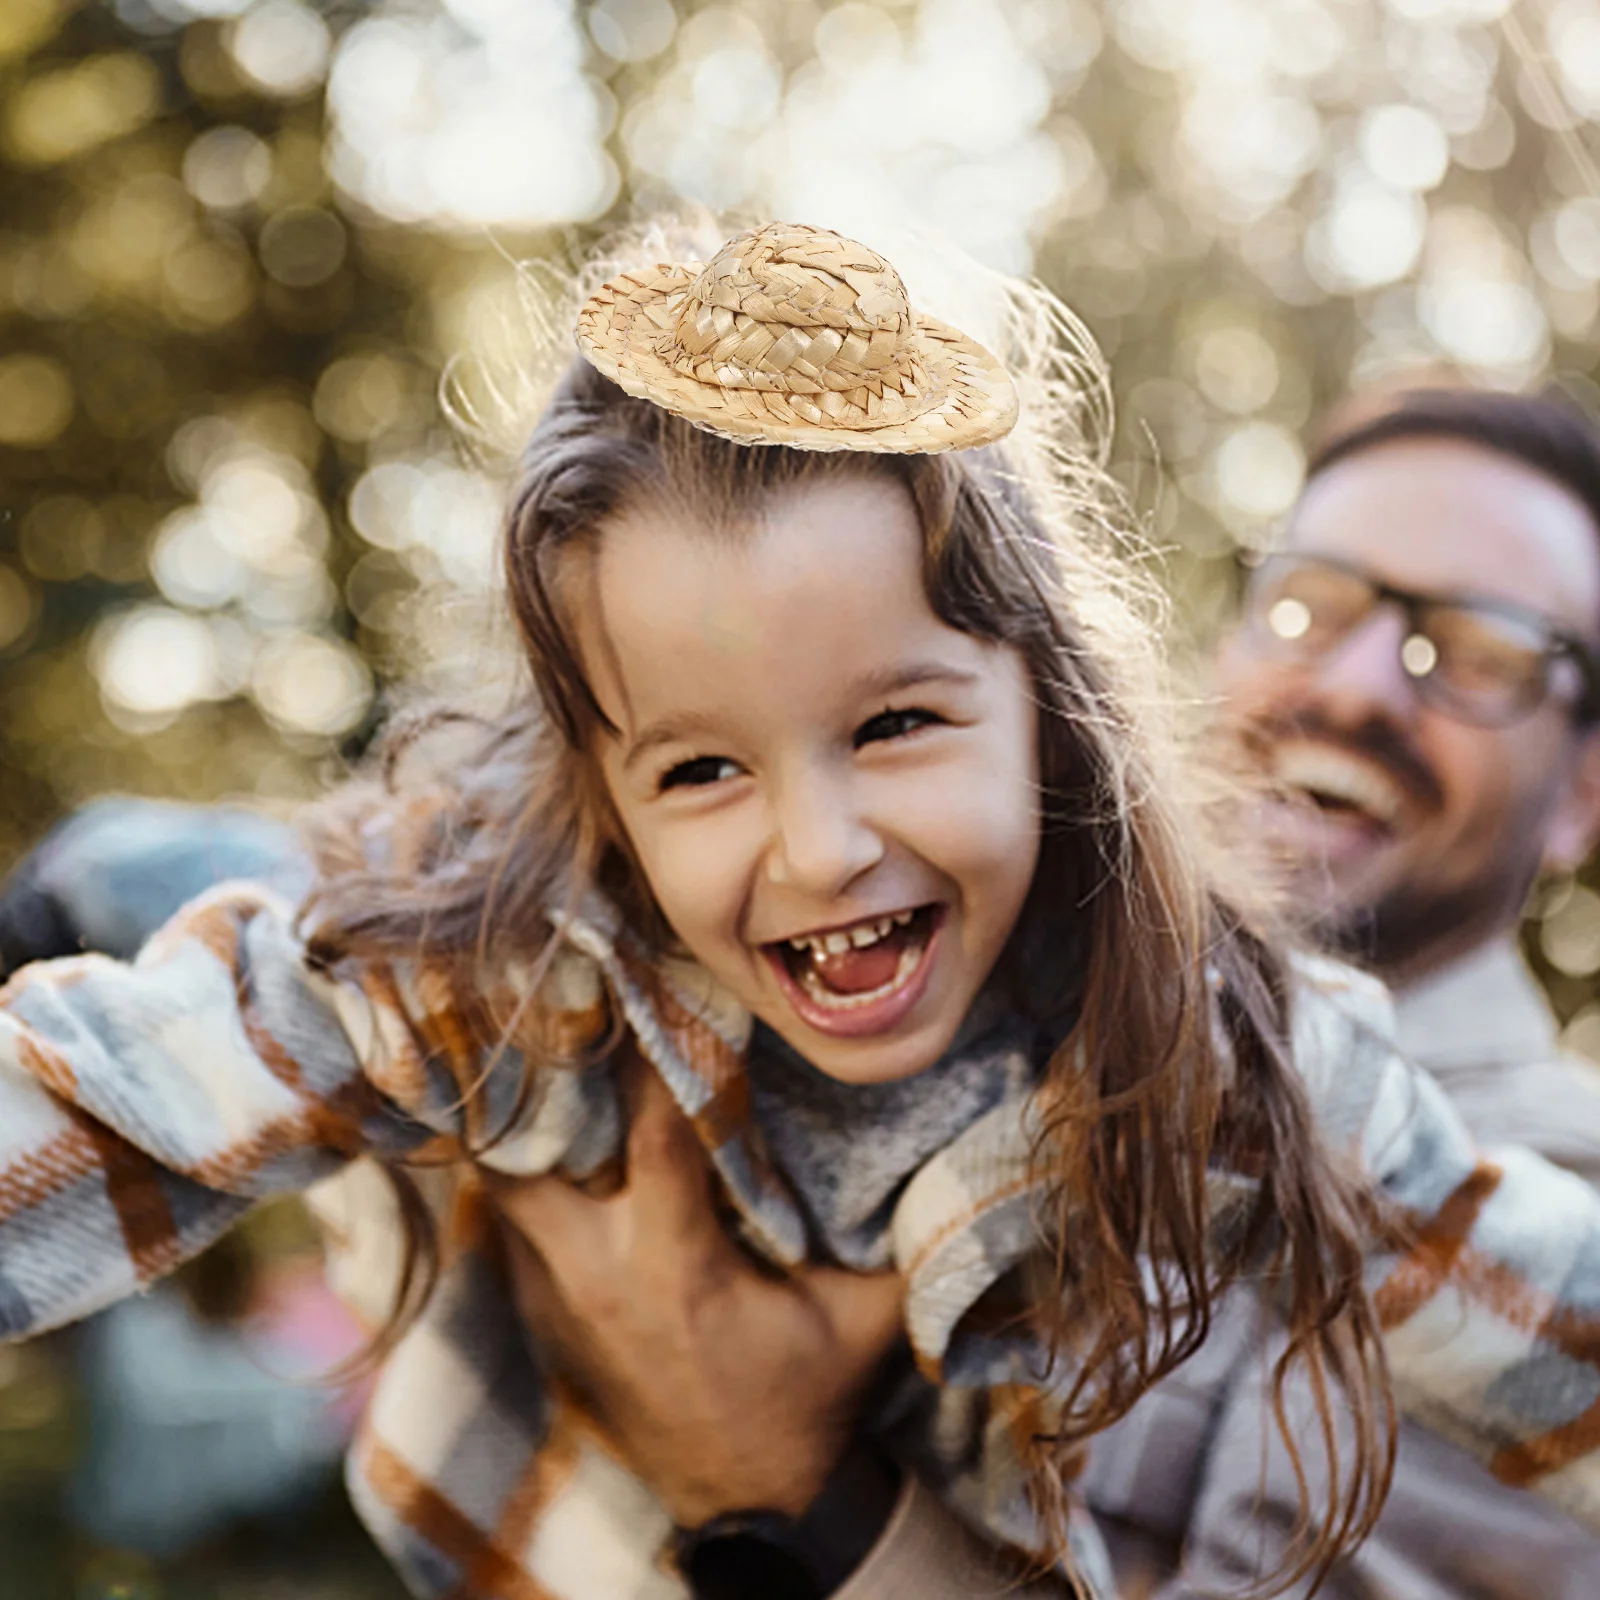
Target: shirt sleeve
[[927, 1553], [1490, 1305], [1448, 1528], [144, 1106]]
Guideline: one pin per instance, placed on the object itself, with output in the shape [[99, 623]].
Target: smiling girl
[[837, 799]]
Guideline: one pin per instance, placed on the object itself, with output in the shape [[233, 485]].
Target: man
[[1415, 672], [1439, 791]]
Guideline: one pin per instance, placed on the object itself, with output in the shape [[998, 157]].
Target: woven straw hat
[[794, 335]]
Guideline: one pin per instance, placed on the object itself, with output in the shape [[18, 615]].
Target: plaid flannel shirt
[[143, 1107]]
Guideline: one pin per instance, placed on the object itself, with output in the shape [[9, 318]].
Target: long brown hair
[[1138, 934]]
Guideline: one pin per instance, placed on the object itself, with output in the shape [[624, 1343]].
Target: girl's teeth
[[824, 996], [858, 937]]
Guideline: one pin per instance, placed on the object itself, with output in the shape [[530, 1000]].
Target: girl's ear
[[1574, 828]]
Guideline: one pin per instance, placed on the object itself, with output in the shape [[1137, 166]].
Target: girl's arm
[[144, 1106]]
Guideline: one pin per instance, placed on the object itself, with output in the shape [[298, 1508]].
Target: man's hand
[[727, 1386]]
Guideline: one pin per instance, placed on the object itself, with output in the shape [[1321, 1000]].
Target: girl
[[838, 799]]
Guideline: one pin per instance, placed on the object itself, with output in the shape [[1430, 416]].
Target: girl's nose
[[821, 843]]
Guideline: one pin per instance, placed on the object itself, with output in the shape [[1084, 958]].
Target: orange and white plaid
[[145, 1106]]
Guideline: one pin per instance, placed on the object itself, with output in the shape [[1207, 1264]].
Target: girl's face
[[832, 793]]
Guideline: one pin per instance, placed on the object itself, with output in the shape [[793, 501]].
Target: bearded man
[[1415, 673]]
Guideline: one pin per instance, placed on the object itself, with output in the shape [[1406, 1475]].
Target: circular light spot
[[35, 400], [1419, 656], [494, 123], [25, 24], [61, 114], [227, 168], [1577, 236], [282, 47], [1370, 235], [191, 561], [261, 513], [61, 538], [198, 448], [1236, 368], [1289, 618], [382, 504], [1582, 1034], [1486, 322], [851, 34], [211, 280], [360, 397], [313, 685], [153, 661], [19, 604], [1570, 937], [302, 246], [736, 87], [1405, 146], [1259, 469], [633, 30]]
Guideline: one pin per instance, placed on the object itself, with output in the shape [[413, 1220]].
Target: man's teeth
[[1328, 773], [858, 936]]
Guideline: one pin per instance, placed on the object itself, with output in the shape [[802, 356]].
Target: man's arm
[[729, 1389], [1448, 1526]]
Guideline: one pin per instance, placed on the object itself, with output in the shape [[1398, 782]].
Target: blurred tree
[[242, 239]]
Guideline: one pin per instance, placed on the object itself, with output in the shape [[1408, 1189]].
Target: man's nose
[[1363, 674], [821, 841]]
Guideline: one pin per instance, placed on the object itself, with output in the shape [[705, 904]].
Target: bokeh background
[[241, 241]]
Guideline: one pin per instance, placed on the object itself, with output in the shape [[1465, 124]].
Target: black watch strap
[[766, 1555]]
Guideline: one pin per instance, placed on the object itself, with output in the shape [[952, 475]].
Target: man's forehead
[[1448, 515]]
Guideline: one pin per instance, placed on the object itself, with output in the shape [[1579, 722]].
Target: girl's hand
[[727, 1387]]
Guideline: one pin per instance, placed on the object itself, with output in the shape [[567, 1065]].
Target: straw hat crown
[[795, 335]]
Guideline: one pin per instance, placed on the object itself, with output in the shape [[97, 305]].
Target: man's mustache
[[1377, 740]]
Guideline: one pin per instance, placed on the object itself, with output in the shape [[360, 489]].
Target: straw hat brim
[[969, 399]]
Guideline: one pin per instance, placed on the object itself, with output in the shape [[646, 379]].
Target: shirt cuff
[[926, 1553]]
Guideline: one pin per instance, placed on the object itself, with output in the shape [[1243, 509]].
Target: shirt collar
[[1481, 1010]]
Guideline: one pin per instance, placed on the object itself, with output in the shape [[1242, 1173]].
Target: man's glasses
[[1483, 661]]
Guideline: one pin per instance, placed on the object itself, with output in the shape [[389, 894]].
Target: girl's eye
[[699, 772], [894, 725]]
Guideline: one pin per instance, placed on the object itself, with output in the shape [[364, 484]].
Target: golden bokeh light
[[61, 114], [19, 608], [27, 24], [227, 168], [245, 239], [210, 280], [360, 397], [36, 400], [61, 538], [302, 246], [311, 685]]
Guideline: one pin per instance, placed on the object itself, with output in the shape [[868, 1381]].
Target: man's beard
[[1400, 927], [1396, 930]]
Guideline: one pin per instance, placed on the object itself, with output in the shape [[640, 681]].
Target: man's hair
[[1544, 431]]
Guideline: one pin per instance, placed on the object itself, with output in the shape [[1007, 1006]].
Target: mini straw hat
[[794, 335]]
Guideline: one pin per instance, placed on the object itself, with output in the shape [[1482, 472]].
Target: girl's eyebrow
[[909, 675], [667, 730], [874, 685]]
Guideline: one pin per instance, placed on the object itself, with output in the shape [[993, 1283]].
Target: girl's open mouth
[[862, 978]]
